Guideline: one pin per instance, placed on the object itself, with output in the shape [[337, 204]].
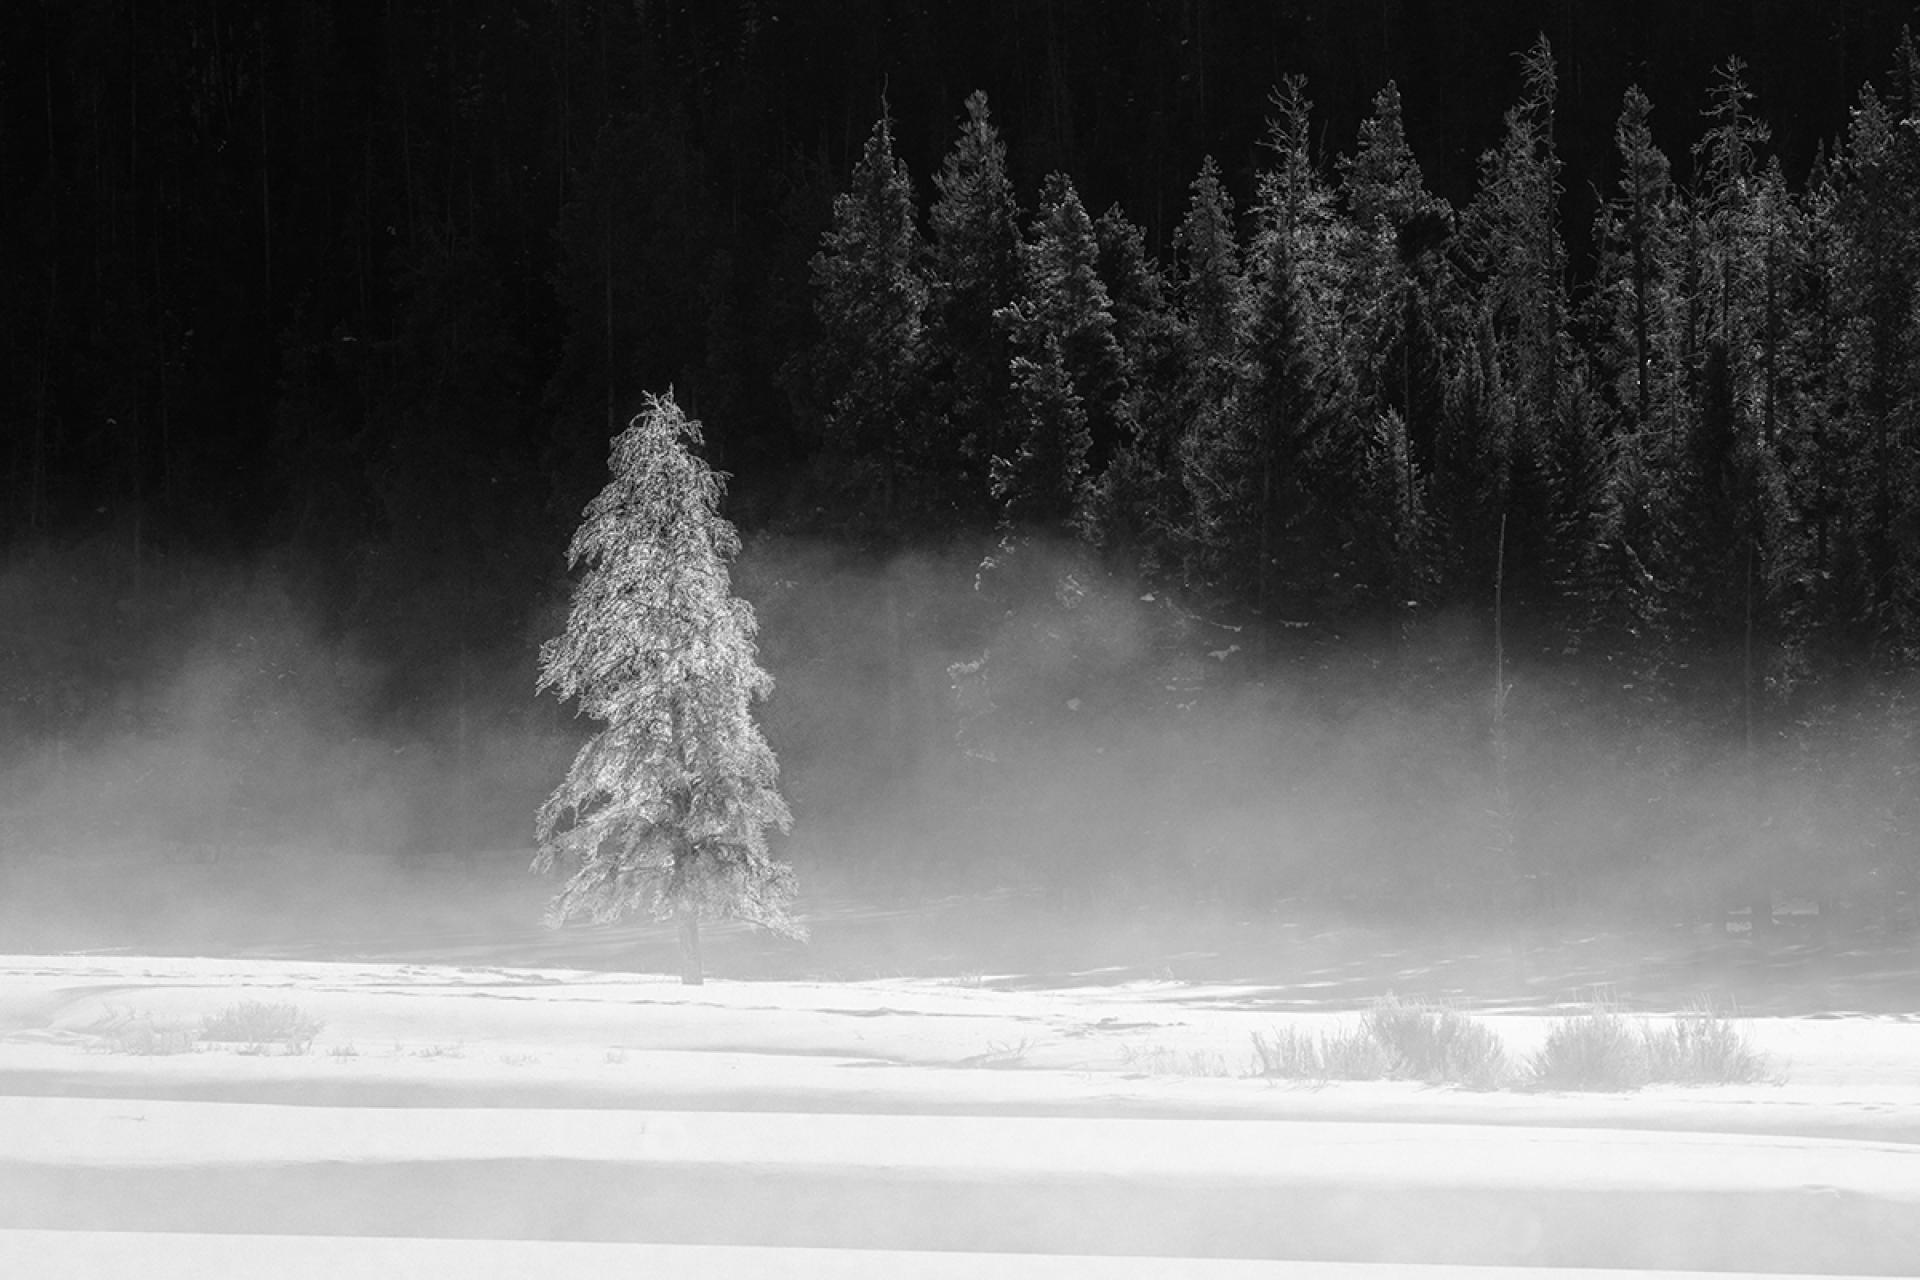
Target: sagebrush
[[1395, 1040], [1600, 1049], [1603, 1049], [258, 1026], [142, 1035]]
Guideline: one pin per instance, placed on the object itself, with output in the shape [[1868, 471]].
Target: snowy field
[[495, 1117]]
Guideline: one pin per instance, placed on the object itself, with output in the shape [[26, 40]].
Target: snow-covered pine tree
[[666, 809]]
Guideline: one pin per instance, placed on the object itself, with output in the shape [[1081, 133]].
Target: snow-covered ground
[[481, 1119]]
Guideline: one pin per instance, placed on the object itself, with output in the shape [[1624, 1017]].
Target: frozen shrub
[[1598, 1049], [140, 1035], [1159, 1060], [1604, 1050], [1396, 1040], [1437, 1045], [1701, 1046], [257, 1026], [1349, 1053]]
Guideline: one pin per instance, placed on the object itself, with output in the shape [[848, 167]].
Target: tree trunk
[[692, 973]]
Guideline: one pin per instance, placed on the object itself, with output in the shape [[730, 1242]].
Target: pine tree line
[[1321, 409], [1345, 411]]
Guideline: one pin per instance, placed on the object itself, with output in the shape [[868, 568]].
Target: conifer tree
[[1141, 508], [1543, 437], [1816, 450], [666, 808], [871, 300], [1381, 180], [1282, 482], [1639, 374], [1514, 232], [1265, 525], [1877, 287], [1355, 506], [1634, 285], [1209, 290], [1727, 205], [1398, 228], [1136, 287], [974, 274], [1729, 509], [1297, 202], [1068, 375], [1208, 319], [1394, 269]]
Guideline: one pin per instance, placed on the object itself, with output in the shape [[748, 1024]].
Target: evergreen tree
[[1381, 180], [1283, 490], [1209, 291], [1633, 296], [1208, 321], [1136, 287], [868, 368], [1815, 450], [1265, 526], [666, 808], [1298, 204], [1394, 270], [1730, 513], [974, 275], [1877, 289], [1639, 377], [1728, 207], [1399, 231], [1358, 518], [1141, 508], [1542, 434], [1068, 375]]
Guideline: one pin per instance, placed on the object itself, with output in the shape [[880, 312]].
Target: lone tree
[[666, 808]]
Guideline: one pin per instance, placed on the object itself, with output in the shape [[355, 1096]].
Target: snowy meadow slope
[[847, 1127]]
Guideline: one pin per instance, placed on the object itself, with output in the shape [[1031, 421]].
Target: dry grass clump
[[1349, 1053], [1000, 1055], [1703, 1046], [140, 1035], [1604, 1050], [1438, 1045], [257, 1026], [1599, 1049], [1159, 1060], [1395, 1040]]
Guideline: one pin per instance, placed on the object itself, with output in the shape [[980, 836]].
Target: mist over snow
[[222, 746]]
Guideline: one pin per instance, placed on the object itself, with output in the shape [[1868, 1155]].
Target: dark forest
[[1415, 456]]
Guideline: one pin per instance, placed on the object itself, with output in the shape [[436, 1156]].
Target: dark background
[[207, 201], [305, 376]]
